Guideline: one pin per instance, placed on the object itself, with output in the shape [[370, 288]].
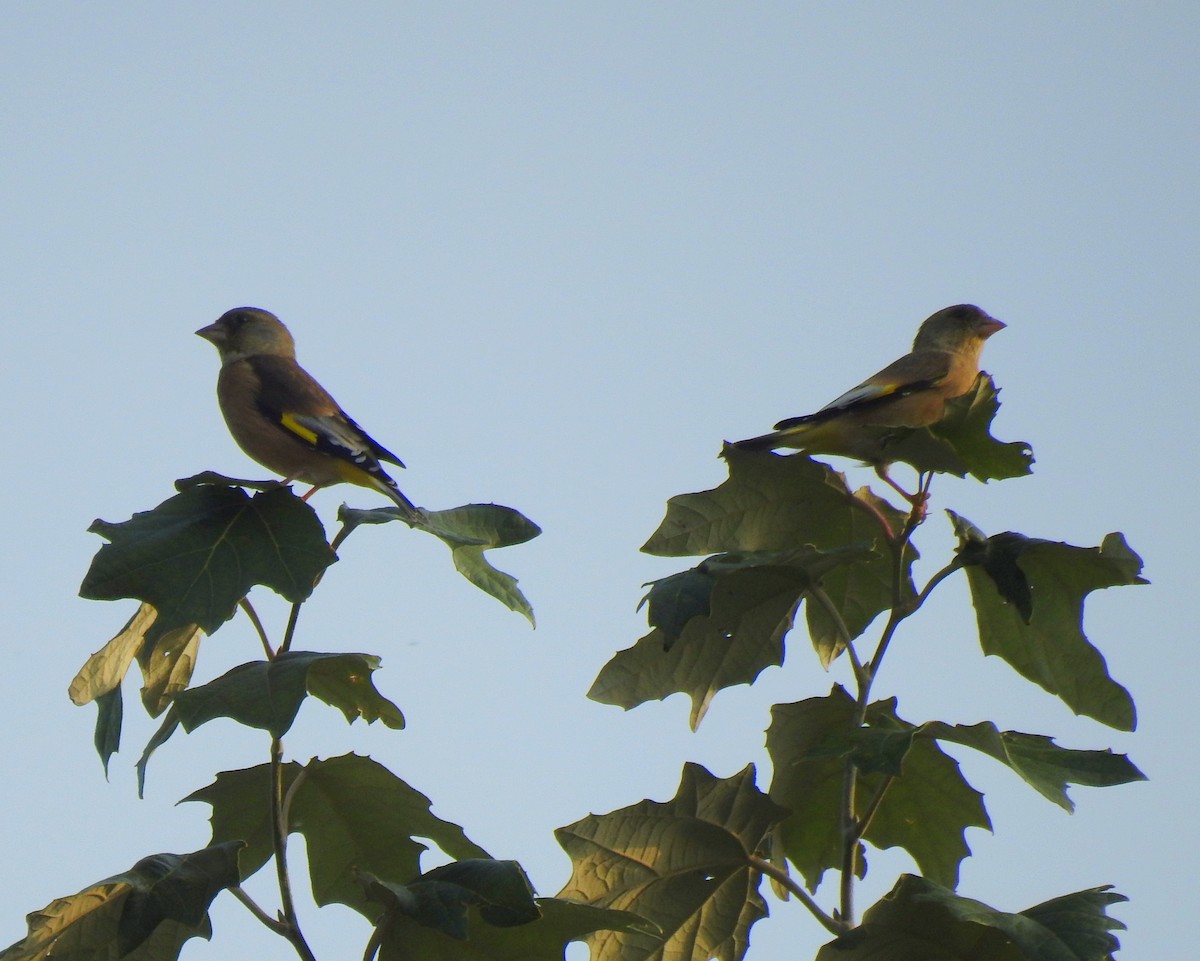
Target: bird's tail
[[392, 490], [763, 442]]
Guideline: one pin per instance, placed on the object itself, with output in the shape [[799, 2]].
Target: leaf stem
[[252, 906], [776, 873], [251, 613], [290, 631], [279, 832], [853, 827], [818, 594], [937, 578], [375, 941], [874, 513], [865, 822]]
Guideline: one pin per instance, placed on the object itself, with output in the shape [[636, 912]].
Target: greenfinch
[[909, 392], [282, 418]]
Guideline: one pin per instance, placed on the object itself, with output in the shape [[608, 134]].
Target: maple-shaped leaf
[[926, 807], [355, 815], [143, 914], [468, 531], [1045, 766], [717, 625], [683, 864], [769, 503], [919, 919], [1029, 594], [197, 554], [545, 939], [267, 695], [442, 899]]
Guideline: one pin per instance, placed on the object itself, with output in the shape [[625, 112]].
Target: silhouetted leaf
[[145, 913], [727, 637], [200, 552], [684, 863], [923, 921], [498, 890], [926, 808], [468, 531], [545, 939], [355, 815], [769, 503], [1045, 766], [1049, 647], [267, 694]]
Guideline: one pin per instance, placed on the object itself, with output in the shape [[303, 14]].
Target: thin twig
[[251, 613], [864, 823], [290, 632], [937, 578], [874, 513], [849, 838], [279, 838], [831, 924], [821, 597], [277, 926], [375, 941]]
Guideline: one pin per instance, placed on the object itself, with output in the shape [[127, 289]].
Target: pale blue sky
[[552, 254]]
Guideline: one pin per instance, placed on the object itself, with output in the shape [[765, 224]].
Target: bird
[[909, 392], [283, 418]]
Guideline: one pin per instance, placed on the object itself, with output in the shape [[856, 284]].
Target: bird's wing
[[293, 399], [918, 371]]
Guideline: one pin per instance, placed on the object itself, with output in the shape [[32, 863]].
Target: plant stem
[[291, 628], [865, 823], [279, 832], [831, 924], [818, 594], [853, 827], [252, 906], [251, 613]]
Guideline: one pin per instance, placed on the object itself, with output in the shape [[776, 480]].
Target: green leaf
[[684, 863], [751, 606], [966, 427], [198, 553], [167, 659], [1045, 766], [440, 898], [107, 737], [355, 815], [267, 694], [923, 921], [769, 503], [105, 669], [468, 531], [926, 806], [147, 912], [561, 922], [1043, 639]]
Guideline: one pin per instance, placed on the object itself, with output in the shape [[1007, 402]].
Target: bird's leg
[[917, 500], [304, 497]]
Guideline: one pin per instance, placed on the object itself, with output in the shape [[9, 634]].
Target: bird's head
[[247, 331], [953, 328]]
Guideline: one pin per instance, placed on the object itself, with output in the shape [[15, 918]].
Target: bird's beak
[[214, 333], [989, 326]]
